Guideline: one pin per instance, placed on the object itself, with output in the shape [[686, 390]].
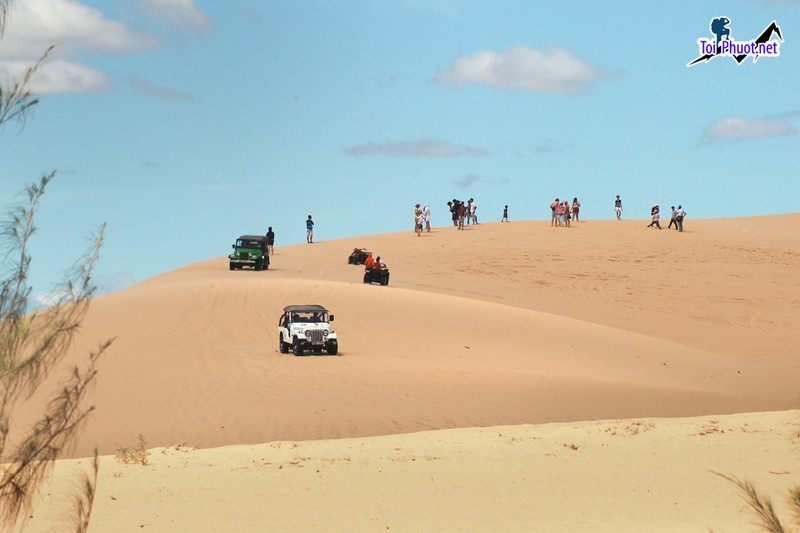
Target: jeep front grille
[[316, 336]]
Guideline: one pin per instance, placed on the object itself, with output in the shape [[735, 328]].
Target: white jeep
[[306, 327]]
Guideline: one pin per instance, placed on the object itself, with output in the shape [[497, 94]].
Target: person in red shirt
[[370, 262]]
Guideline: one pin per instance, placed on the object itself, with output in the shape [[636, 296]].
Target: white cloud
[[553, 70], [49, 299], [34, 25], [734, 128], [104, 283], [107, 283], [466, 181], [55, 76], [548, 146], [183, 14], [146, 87], [472, 179], [428, 148]]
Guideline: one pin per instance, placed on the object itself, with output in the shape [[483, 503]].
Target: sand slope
[[621, 475], [500, 324]]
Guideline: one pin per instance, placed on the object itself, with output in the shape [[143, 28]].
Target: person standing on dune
[[618, 208], [426, 212], [270, 241], [473, 211], [505, 215], [680, 214], [309, 230]]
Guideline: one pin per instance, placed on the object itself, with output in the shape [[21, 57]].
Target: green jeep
[[250, 250]]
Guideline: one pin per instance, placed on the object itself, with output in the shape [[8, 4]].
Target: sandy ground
[[511, 377]]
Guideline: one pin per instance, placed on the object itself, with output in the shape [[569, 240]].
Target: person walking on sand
[[420, 221], [553, 212], [654, 213], [567, 216], [505, 215], [672, 216], [426, 212], [270, 241], [680, 214], [462, 210], [618, 208], [559, 213], [309, 230], [576, 208]]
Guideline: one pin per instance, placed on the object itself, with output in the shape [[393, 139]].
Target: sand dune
[[619, 475], [497, 325]]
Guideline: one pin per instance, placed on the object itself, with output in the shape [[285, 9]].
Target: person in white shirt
[[680, 214]]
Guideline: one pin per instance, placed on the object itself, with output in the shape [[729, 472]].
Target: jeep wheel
[[232, 266], [333, 348], [257, 266], [282, 346], [297, 348]]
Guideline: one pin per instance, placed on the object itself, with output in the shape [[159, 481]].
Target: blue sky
[[185, 123]]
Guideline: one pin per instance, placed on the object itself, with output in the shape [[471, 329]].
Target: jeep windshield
[[309, 317], [248, 243]]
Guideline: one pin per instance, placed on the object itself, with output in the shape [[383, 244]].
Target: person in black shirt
[[270, 240]]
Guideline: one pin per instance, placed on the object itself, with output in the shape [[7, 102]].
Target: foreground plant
[[32, 344], [768, 519]]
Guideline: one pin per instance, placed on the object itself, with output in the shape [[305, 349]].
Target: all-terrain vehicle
[[377, 275], [306, 327], [358, 257], [250, 250]]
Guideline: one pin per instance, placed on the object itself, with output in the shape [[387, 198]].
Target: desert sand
[[512, 377]]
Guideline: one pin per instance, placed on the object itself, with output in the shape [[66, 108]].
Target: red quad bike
[[377, 275]]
